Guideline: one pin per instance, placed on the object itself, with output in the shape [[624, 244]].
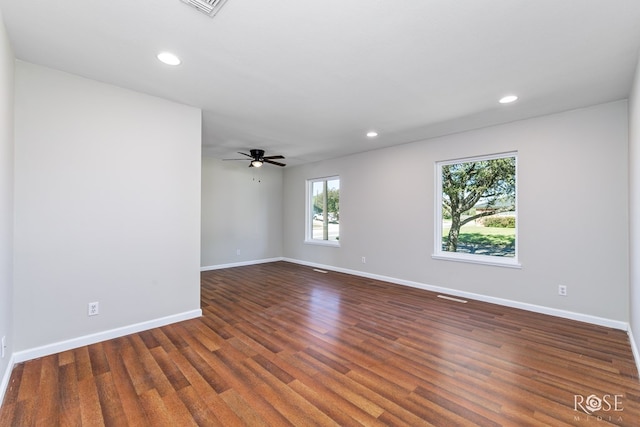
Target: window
[[323, 211], [476, 210]]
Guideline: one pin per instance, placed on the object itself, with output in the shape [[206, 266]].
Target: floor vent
[[452, 299], [208, 7], [320, 271]]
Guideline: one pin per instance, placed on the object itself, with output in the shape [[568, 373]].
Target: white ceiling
[[308, 79]]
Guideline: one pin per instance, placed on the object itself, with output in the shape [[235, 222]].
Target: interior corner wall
[[241, 213], [634, 210], [572, 212], [107, 207], [6, 201]]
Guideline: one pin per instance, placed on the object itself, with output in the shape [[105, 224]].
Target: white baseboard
[[6, 378], [610, 323], [239, 264], [57, 347], [634, 349]]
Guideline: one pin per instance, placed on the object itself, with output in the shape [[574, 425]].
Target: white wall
[[573, 212], [6, 201], [634, 210], [241, 210], [107, 207]]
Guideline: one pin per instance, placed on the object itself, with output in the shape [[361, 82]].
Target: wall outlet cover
[[94, 309]]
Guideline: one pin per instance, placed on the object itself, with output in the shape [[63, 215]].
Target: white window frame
[[438, 252], [308, 236]]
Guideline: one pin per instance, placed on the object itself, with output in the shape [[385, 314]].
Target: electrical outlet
[[3, 347], [94, 309], [364, 259], [562, 290], [238, 252]]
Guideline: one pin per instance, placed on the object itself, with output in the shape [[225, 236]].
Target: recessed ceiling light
[[168, 58], [372, 134], [508, 99]]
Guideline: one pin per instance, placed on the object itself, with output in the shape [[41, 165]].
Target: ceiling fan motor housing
[[257, 154]]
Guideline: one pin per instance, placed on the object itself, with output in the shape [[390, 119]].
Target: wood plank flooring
[[282, 345]]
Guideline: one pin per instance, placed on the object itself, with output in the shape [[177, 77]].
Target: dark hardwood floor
[[280, 344]]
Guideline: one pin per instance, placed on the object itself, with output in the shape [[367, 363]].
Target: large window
[[323, 211], [476, 210]]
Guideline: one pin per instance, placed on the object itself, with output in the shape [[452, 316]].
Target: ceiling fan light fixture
[[256, 163]]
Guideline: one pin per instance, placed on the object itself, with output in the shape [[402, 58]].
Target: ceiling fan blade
[[273, 157], [245, 154], [234, 159], [273, 163]]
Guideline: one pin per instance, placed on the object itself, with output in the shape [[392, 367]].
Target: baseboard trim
[[4, 385], [634, 349], [240, 264], [610, 323], [57, 347]]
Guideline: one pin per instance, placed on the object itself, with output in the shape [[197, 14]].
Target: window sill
[[479, 259], [330, 243]]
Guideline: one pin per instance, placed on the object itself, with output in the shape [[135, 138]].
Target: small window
[[323, 211], [476, 210]]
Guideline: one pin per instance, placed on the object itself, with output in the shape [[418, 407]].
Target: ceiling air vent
[[209, 7]]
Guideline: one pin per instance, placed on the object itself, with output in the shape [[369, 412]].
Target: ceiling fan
[[258, 158]]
